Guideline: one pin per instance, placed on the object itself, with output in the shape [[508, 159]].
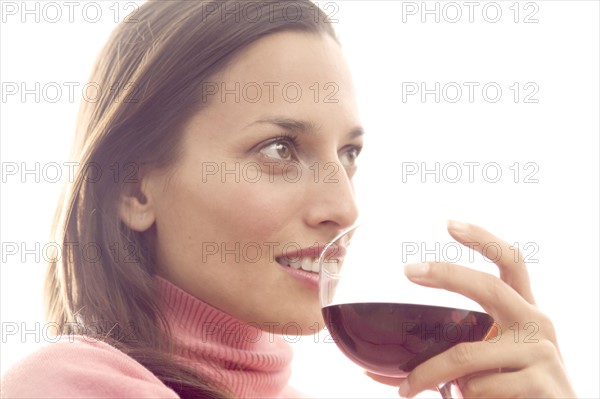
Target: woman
[[217, 162]]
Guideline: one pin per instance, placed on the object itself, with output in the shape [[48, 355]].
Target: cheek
[[259, 209], [224, 209]]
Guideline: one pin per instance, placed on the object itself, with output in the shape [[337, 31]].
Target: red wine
[[392, 338]]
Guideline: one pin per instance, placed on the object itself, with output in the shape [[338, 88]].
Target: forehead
[[287, 70], [298, 55]]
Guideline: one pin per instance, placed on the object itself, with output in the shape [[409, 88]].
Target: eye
[[350, 155], [283, 149]]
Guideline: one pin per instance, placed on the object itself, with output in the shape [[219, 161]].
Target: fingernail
[[404, 389], [416, 269], [457, 226]]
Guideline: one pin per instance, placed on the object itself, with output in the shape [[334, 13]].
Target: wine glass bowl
[[377, 317]]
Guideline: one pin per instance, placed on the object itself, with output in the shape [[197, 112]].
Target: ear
[[136, 207]]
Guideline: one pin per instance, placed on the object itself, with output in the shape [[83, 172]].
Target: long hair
[[147, 82]]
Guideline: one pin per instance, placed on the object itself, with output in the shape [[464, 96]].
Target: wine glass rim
[[345, 231], [326, 249]]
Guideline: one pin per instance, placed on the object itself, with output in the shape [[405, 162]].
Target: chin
[[305, 323]]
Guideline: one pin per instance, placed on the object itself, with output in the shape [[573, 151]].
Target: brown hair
[[149, 82]]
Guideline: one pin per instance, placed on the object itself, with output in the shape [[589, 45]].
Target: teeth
[[315, 266], [308, 264], [295, 264]]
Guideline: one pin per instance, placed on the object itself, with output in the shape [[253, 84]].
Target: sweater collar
[[247, 361]]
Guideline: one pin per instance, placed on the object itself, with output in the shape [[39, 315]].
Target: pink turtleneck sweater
[[248, 361]]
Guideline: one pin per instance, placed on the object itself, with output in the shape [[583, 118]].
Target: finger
[[499, 300], [463, 360], [393, 381], [496, 385], [509, 259], [525, 383]]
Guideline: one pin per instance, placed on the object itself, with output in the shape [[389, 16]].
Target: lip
[[311, 279]]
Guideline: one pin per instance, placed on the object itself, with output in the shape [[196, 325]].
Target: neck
[[238, 357]]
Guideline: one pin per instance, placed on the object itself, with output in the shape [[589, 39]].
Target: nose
[[331, 199]]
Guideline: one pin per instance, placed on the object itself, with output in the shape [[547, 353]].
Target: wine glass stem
[[450, 390]]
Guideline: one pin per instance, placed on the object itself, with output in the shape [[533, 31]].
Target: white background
[[387, 48]]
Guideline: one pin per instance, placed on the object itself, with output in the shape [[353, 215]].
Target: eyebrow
[[299, 126]]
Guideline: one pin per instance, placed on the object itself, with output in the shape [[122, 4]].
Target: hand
[[507, 364]]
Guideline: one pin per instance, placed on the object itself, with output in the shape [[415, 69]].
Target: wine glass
[[378, 318]]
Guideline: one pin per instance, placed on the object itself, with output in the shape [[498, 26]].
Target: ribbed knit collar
[[247, 361]]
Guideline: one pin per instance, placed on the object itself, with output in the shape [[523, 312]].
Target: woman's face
[[266, 170]]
